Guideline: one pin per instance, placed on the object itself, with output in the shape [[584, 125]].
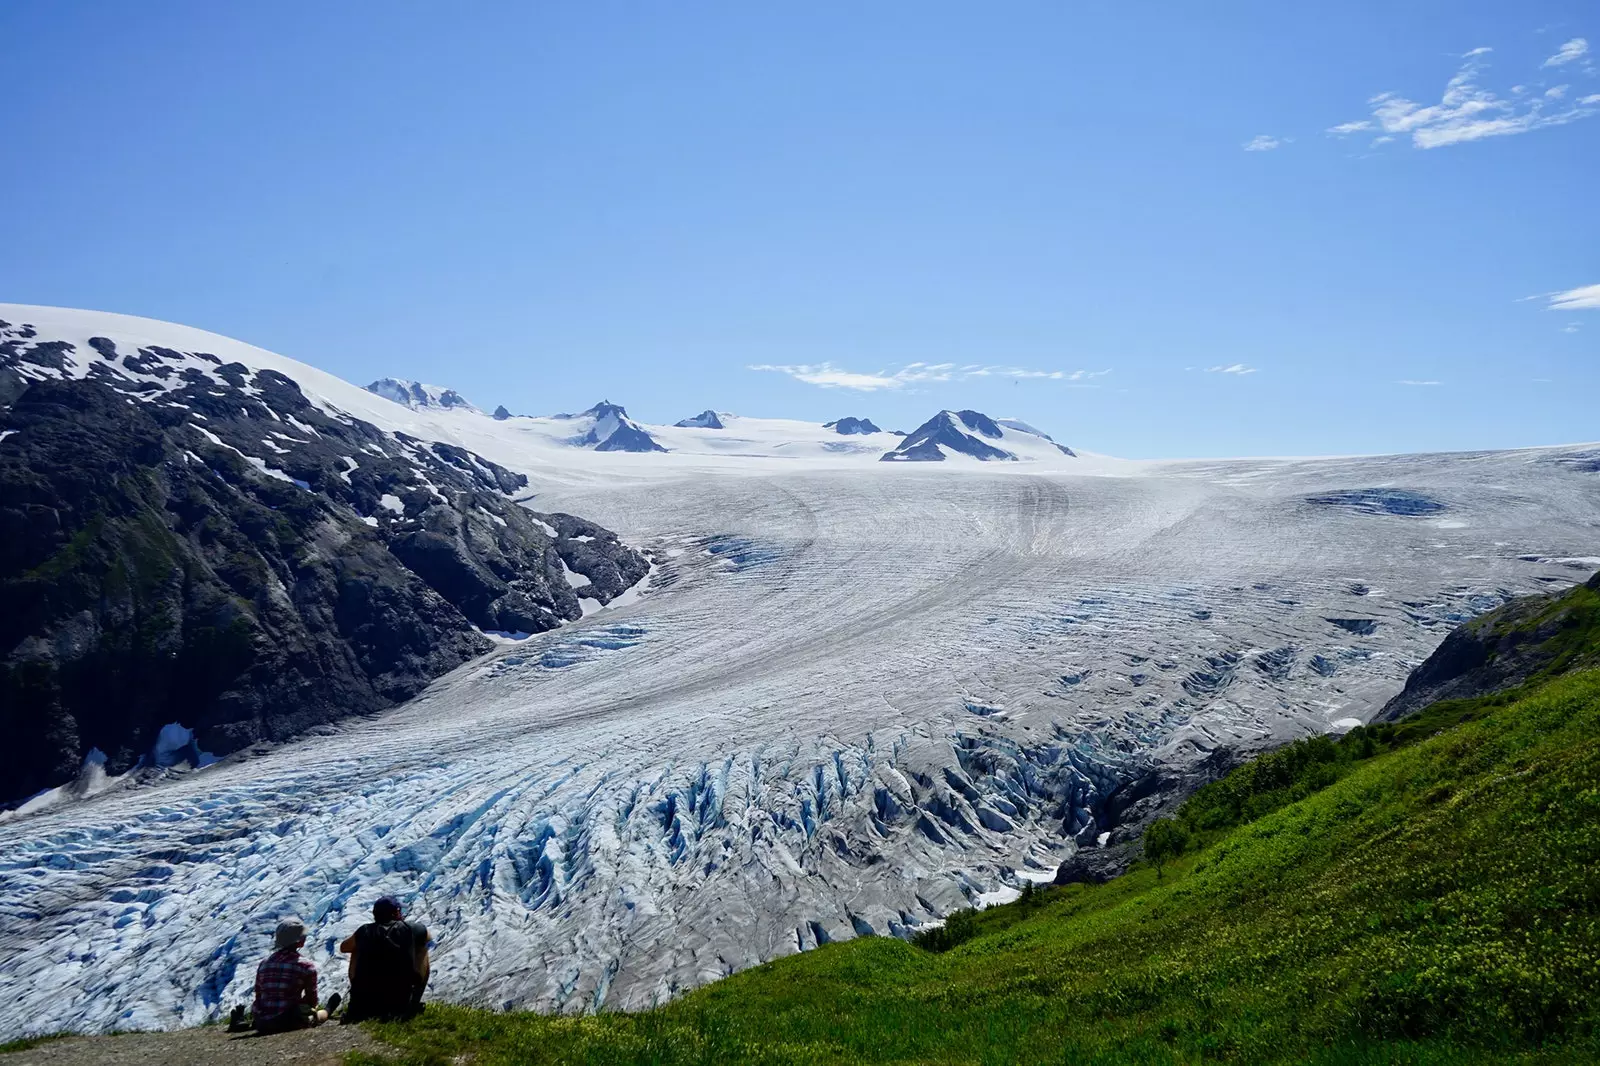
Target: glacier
[[852, 697]]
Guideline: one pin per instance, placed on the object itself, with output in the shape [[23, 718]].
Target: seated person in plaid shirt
[[286, 984]]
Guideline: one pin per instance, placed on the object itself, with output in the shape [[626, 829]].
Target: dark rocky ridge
[[852, 425], [1504, 648], [706, 419], [945, 430], [211, 548]]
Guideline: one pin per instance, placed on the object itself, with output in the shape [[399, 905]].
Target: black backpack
[[385, 982]]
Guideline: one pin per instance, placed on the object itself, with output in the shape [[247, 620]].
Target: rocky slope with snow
[[974, 435], [195, 543]]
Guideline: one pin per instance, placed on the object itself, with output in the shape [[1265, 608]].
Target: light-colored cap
[[290, 932]]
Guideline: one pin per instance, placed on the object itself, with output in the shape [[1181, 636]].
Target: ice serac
[[415, 394], [229, 557], [706, 419], [850, 426]]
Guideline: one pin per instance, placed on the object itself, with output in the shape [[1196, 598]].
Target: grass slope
[[1429, 894]]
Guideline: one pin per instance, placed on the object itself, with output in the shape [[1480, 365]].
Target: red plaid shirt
[[282, 981]]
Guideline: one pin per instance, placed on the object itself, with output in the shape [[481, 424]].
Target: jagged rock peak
[[611, 430], [416, 394], [501, 414], [706, 419], [957, 431], [849, 426]]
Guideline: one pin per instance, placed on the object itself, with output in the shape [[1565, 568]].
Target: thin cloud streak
[[1234, 368], [1583, 298], [1408, 381], [826, 375], [1261, 142]]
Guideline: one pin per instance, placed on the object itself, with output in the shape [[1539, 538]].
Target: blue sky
[[1152, 231]]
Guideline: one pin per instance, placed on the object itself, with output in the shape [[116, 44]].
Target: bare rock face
[[232, 558], [1503, 649], [706, 419]]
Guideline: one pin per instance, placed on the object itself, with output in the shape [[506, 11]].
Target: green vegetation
[[30, 1042], [1419, 892], [1566, 629]]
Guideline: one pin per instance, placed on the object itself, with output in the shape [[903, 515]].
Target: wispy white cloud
[[1261, 142], [1570, 52], [1583, 298], [1592, 98], [1572, 327], [1232, 368], [828, 376], [1409, 381], [1468, 112]]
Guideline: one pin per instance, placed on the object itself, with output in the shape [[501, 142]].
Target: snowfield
[[853, 696]]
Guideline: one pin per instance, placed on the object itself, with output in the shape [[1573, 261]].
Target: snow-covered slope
[[854, 696]]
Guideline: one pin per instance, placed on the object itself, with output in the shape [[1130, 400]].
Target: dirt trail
[[212, 1045]]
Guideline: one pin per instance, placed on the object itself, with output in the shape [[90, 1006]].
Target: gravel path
[[209, 1046]]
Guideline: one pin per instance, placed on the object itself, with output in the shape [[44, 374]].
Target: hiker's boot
[[236, 1019]]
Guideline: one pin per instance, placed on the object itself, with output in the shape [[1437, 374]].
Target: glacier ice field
[[851, 697]]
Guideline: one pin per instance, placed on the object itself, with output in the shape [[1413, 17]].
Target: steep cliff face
[[209, 548], [1525, 639]]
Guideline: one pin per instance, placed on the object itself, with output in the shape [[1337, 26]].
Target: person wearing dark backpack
[[388, 965]]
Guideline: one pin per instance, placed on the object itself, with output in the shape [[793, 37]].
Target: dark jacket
[[387, 974]]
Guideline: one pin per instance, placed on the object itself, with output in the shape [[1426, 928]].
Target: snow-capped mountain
[[852, 426], [706, 419], [328, 567], [976, 436], [606, 427], [416, 394]]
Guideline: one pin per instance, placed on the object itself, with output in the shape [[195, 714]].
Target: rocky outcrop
[[416, 394], [1528, 637], [958, 431], [231, 557], [852, 426], [706, 419], [611, 430]]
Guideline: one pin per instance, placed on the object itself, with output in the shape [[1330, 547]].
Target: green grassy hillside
[[1427, 891]]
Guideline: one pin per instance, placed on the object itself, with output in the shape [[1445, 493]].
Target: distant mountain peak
[[706, 419], [950, 431], [416, 394], [611, 430], [963, 433], [851, 426]]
